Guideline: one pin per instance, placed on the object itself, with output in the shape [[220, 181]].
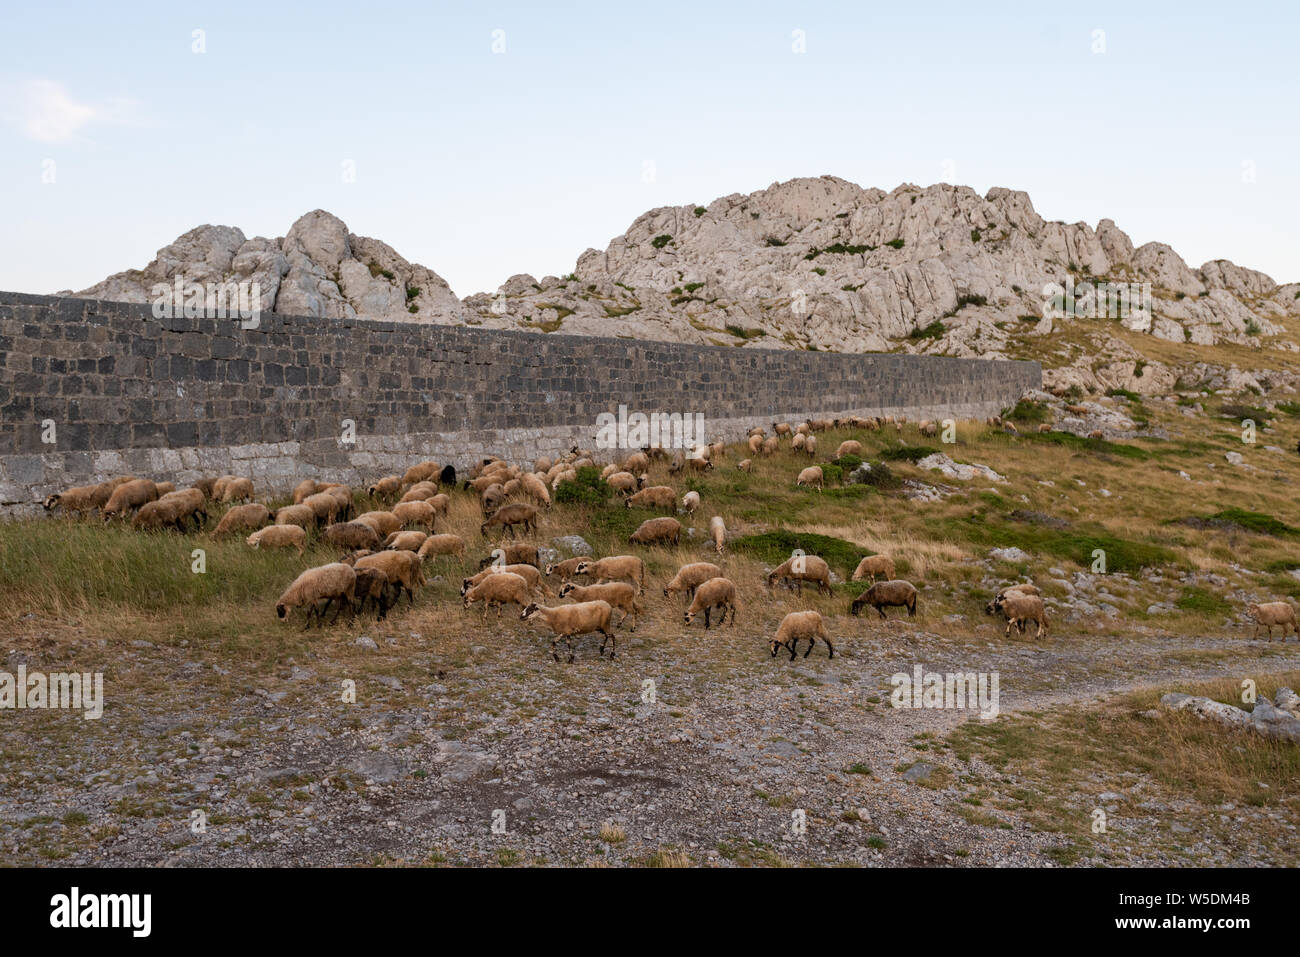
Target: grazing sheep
[[384, 523], [893, 594], [623, 482], [324, 506], [529, 573], [508, 516], [636, 462], [81, 498], [849, 447], [193, 505], [386, 487], [499, 589], [1272, 613], [402, 568], [442, 545], [421, 472], [279, 536], [691, 501], [447, 476], [301, 492], [440, 504], [129, 496], [492, 498], [757, 430], [755, 444], [770, 445], [745, 465], [781, 428], [717, 592], [535, 489], [930, 429], [1094, 434], [242, 518], [1010, 427], [698, 464], [165, 488], [333, 582], [405, 541], [798, 442], [718, 532], [300, 515], [420, 492], [352, 557], [656, 530], [567, 568], [161, 513], [343, 495], [1018, 609], [690, 577], [570, 621], [796, 626], [656, 496], [811, 477], [620, 595], [354, 534], [874, 565], [237, 490], [717, 450], [810, 445], [614, 568], [514, 554], [415, 513], [373, 586], [800, 569], [205, 486]]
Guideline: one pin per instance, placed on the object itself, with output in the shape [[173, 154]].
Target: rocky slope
[[815, 263]]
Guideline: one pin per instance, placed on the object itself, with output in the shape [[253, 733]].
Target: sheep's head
[[566, 589], [281, 611], [467, 602], [774, 645], [51, 501], [582, 568], [530, 611], [992, 606], [689, 616], [857, 605], [465, 585], [1253, 609]]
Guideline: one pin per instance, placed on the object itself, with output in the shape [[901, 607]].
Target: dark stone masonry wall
[[180, 398]]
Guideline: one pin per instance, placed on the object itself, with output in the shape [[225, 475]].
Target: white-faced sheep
[[500, 588], [654, 531], [129, 496], [628, 568], [402, 568], [529, 573], [690, 577], [802, 568], [334, 582], [715, 593], [691, 501], [874, 565], [620, 595], [279, 536], [1271, 613], [656, 496], [811, 477], [1018, 609], [243, 518], [718, 532], [799, 625], [445, 544], [509, 516], [350, 535], [896, 593], [569, 621], [405, 541]]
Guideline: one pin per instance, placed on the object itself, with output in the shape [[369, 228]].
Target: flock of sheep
[[384, 550]]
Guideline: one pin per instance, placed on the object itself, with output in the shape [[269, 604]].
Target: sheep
[[624, 482], [508, 516], [810, 445], [656, 496], [165, 488], [745, 465], [717, 450], [333, 582], [161, 513], [499, 589], [301, 515], [529, 573], [372, 585], [80, 498], [343, 495], [351, 557], [402, 568], [386, 487], [301, 492], [718, 532], [1044, 428], [1272, 613], [564, 475], [279, 536], [691, 501], [717, 592], [241, 518], [492, 498], [770, 445], [798, 442], [811, 477], [420, 472], [415, 513], [800, 569], [636, 462], [798, 625], [614, 568], [419, 492], [1018, 609], [874, 565], [690, 577], [893, 593], [129, 496], [566, 569], [849, 447], [384, 523], [193, 505], [447, 476], [655, 530], [1023, 588], [678, 463], [698, 464], [755, 444], [819, 425], [440, 503], [351, 535], [205, 485], [535, 489], [442, 545], [405, 541], [324, 506], [513, 554], [1094, 434], [485, 481], [781, 428], [237, 490], [570, 621], [620, 595]]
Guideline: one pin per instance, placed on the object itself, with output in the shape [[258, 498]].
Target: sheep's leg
[[707, 610], [812, 643], [613, 644], [881, 609], [830, 649], [555, 651], [793, 646]]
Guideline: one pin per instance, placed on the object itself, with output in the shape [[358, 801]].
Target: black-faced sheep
[[796, 626], [81, 498], [508, 516], [620, 595], [802, 568], [715, 593], [627, 568], [334, 582], [567, 568], [570, 621]]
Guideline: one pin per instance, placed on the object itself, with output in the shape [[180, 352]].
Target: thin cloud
[[45, 112]]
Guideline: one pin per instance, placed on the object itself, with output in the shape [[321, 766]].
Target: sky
[[487, 139]]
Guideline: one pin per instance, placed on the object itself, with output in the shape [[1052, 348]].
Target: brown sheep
[[421, 472], [502, 588], [373, 586], [529, 573], [811, 477], [1272, 613], [161, 513], [620, 595], [351, 535], [508, 516], [872, 566], [614, 568], [798, 625], [81, 498], [800, 569], [420, 492], [279, 536], [718, 532], [386, 487], [656, 496], [301, 492], [745, 465], [690, 577], [715, 593], [324, 506], [415, 513], [1018, 608], [301, 515], [849, 447], [514, 554], [237, 490], [384, 523], [334, 582], [129, 496], [402, 568], [242, 518], [892, 594], [567, 568], [405, 541], [654, 531], [442, 545], [570, 621]]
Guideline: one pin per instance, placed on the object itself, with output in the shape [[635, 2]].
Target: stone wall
[[180, 398]]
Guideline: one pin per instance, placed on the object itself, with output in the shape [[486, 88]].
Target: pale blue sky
[[480, 165]]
